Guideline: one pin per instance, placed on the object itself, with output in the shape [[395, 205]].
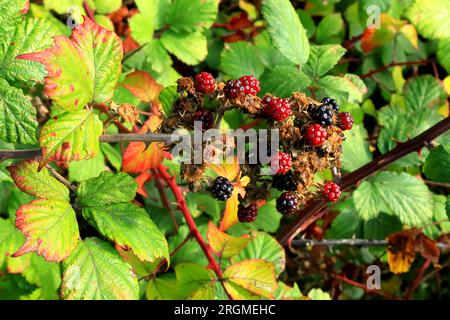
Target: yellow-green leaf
[[256, 276], [224, 245]]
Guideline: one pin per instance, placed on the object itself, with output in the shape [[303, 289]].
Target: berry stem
[[393, 64], [313, 210], [171, 182]]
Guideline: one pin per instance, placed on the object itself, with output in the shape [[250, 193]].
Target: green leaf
[[355, 149], [113, 155], [254, 276], [443, 53], [108, 188], [192, 15], [283, 80], [263, 246], [81, 69], [189, 48], [318, 294], [167, 97], [423, 92], [431, 18], [164, 287], [86, 169], [105, 204], [330, 29], [437, 165], [142, 24], [268, 55], [284, 292], [30, 35], [322, 59], [240, 58], [286, 30], [50, 227], [39, 184], [17, 116], [381, 227], [10, 241], [346, 224], [400, 125], [129, 226], [70, 136], [107, 6], [11, 13], [401, 195], [307, 22], [347, 88], [224, 245], [45, 275], [95, 271], [195, 281]]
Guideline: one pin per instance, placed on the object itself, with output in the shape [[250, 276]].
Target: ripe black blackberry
[[323, 115], [233, 88], [330, 102], [287, 203], [284, 182], [222, 188], [247, 214]]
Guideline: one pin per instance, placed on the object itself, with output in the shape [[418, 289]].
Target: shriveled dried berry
[[206, 117], [284, 182]]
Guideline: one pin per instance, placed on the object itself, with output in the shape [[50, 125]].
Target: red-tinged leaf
[[138, 158], [224, 245], [50, 228], [367, 40], [255, 276], [37, 183], [141, 180], [142, 85], [82, 68], [129, 44], [70, 136]]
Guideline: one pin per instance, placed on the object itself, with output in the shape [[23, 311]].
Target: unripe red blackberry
[[278, 109], [247, 214], [222, 189], [251, 85], [205, 82], [284, 162], [206, 117], [331, 191], [315, 134], [346, 121], [330, 102], [233, 88], [287, 203]]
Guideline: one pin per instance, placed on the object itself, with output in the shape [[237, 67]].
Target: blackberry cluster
[[316, 135], [287, 203], [331, 191], [331, 103], [222, 189], [323, 115], [247, 214], [284, 182], [346, 121]]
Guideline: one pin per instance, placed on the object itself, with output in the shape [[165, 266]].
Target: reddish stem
[[171, 182], [364, 287], [311, 212], [418, 279], [164, 199], [393, 64], [89, 11]]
